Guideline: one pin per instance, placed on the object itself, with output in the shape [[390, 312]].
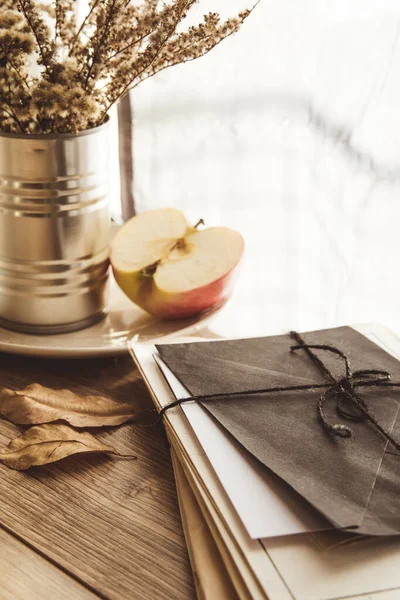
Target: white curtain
[[289, 132]]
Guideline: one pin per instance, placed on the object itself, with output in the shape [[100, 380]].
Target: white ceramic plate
[[124, 322]]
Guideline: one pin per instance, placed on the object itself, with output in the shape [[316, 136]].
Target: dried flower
[[84, 70]]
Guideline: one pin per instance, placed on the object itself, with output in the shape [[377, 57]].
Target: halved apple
[[171, 269]]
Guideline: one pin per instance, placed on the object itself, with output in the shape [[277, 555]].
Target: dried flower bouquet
[[81, 71]]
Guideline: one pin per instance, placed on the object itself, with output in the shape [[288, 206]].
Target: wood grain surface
[[106, 527], [27, 575]]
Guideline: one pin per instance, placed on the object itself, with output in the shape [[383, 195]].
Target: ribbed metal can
[[54, 230]]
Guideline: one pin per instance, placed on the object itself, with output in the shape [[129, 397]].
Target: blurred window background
[[289, 132]]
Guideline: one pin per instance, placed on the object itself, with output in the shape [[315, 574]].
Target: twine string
[[349, 404]]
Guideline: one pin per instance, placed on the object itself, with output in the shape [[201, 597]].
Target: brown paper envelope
[[211, 577], [238, 552], [282, 431], [243, 577]]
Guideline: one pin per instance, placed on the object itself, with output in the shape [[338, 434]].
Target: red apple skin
[[167, 305], [189, 304]]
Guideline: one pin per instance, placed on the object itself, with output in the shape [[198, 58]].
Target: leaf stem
[[38, 43], [106, 32], [81, 28]]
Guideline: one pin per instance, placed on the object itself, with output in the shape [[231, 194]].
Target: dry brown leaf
[[45, 444], [36, 404]]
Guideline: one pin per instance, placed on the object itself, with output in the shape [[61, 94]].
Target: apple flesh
[[171, 269]]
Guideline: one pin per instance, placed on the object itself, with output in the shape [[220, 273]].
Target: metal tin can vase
[[54, 230]]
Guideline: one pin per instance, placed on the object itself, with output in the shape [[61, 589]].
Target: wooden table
[[289, 132], [92, 527]]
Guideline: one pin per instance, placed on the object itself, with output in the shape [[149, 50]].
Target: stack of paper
[[250, 534]]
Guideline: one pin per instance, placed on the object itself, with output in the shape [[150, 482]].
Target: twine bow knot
[[349, 403]]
